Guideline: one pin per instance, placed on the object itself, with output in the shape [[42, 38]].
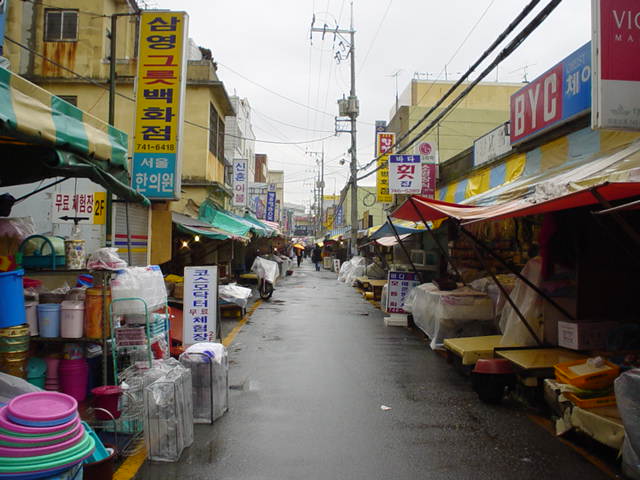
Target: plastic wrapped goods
[[209, 365], [627, 388], [266, 269], [233, 293], [463, 312], [146, 283], [11, 387], [169, 415], [530, 305]]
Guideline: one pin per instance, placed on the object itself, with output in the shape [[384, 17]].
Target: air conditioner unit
[[418, 257]]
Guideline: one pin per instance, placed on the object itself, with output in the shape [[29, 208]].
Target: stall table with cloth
[[440, 314]]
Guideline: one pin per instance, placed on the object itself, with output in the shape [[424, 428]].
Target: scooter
[[265, 288], [267, 272]]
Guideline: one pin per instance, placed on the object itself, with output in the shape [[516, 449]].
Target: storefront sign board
[[398, 286], [240, 182], [160, 91], [405, 174], [200, 310], [384, 141]]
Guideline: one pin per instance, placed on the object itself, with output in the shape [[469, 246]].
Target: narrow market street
[[310, 372]]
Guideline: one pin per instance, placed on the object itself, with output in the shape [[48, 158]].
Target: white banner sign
[[200, 309], [86, 207], [399, 284], [240, 182], [405, 174], [495, 143]]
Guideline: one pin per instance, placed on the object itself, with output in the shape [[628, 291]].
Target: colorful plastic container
[[42, 409], [73, 376], [107, 397], [72, 319], [32, 316], [49, 319], [12, 310]]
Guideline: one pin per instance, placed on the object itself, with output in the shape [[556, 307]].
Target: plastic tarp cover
[[267, 269], [345, 269], [209, 365], [234, 293], [529, 303], [627, 388], [169, 414], [11, 387], [463, 312]]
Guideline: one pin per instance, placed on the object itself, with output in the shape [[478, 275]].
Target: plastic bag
[[627, 388], [234, 294], [105, 259], [345, 269], [11, 387]]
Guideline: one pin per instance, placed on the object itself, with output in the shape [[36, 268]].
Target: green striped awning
[[43, 136]]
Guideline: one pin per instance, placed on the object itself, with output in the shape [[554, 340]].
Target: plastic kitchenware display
[[32, 316], [11, 439], [12, 311], [74, 377], [7, 427], [107, 398], [93, 312], [49, 319], [39, 451], [44, 409]]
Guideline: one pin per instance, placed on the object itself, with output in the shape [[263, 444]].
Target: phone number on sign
[[141, 147]]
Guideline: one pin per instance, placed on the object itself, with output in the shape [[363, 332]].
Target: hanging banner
[[616, 69], [405, 174], [240, 182], [384, 141], [338, 221], [429, 157], [399, 285], [200, 308], [270, 213], [556, 97], [160, 89]]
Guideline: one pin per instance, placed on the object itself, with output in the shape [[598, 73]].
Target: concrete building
[[483, 109], [261, 168], [77, 41]]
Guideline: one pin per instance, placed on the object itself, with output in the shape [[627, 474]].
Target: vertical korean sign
[[200, 304], [270, 214], [405, 174], [429, 154], [384, 141], [240, 182], [400, 284], [160, 90], [616, 69]]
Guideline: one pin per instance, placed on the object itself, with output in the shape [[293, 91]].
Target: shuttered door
[[138, 233]]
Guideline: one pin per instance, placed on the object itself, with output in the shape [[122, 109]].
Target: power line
[[375, 36], [104, 87], [482, 57], [508, 50], [289, 124]]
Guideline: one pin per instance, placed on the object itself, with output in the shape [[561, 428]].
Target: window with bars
[[216, 133], [61, 25]]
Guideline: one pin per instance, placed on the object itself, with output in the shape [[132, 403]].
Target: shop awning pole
[[619, 219], [404, 249], [528, 282], [443, 252], [489, 270]]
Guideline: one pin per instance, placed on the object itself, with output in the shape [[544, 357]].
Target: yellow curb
[[131, 465]]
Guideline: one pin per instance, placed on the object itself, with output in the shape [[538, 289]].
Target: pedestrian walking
[[298, 255], [316, 256]]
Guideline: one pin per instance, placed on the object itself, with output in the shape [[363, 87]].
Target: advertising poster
[[399, 285], [384, 141], [405, 174], [200, 310]]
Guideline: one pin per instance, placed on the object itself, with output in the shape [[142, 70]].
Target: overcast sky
[[264, 54]]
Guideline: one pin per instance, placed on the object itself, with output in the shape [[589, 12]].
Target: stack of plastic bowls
[[41, 436], [73, 376]]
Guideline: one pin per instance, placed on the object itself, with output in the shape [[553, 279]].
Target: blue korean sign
[[270, 214], [153, 174], [576, 79], [339, 218]]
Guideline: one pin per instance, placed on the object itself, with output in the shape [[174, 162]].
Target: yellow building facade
[[64, 47], [483, 109]]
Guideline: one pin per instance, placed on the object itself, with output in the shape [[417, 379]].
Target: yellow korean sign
[[160, 89], [384, 141]]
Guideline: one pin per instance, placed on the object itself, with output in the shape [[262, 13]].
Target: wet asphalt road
[[309, 373]]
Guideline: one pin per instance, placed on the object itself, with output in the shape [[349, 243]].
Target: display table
[[463, 312], [471, 349]]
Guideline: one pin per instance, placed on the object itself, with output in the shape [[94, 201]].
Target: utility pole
[[348, 108], [319, 156]]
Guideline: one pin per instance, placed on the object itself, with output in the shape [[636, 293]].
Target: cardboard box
[[552, 316], [585, 335]]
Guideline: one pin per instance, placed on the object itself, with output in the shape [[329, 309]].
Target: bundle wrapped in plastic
[[376, 271], [209, 365], [105, 259], [267, 269], [627, 388], [233, 293], [146, 283], [169, 414], [357, 271]]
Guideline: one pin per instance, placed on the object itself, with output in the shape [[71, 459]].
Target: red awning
[[432, 210]]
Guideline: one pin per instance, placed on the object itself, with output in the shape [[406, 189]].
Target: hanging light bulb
[[196, 238], [185, 244]]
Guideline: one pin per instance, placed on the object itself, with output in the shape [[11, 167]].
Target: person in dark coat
[[316, 256]]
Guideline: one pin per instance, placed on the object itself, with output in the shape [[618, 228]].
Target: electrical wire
[[508, 50], [375, 36], [521, 16], [289, 124], [104, 87]]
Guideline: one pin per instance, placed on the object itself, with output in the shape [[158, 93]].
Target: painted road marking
[[131, 465]]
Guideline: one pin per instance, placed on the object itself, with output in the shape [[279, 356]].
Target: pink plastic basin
[[42, 406]]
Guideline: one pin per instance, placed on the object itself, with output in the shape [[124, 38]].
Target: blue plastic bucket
[[12, 310], [49, 319]]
